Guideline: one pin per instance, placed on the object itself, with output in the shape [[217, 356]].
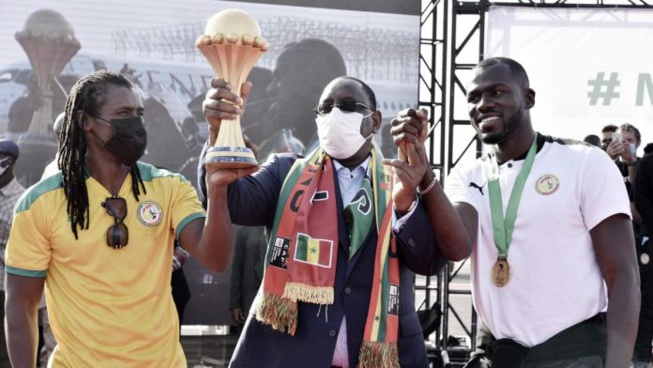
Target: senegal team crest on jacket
[[547, 184], [149, 213]]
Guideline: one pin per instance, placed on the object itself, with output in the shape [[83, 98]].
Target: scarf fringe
[[378, 355], [309, 294], [278, 312]]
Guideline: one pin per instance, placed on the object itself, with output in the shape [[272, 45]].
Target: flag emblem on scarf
[[313, 251]]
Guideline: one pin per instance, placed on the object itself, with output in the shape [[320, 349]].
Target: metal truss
[[451, 43]]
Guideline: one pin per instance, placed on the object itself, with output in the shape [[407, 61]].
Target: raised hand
[[224, 177], [410, 126], [615, 148], [221, 103]]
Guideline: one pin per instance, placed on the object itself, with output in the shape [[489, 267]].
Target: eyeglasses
[[346, 106], [117, 235]]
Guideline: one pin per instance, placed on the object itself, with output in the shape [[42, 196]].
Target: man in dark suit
[[338, 284]]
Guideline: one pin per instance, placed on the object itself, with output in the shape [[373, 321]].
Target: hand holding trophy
[[232, 44]]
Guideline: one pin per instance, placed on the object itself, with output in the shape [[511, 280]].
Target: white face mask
[[340, 133], [4, 164]]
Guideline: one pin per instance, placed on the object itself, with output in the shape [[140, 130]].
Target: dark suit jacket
[[252, 201]]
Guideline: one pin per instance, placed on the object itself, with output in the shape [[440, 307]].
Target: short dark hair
[[516, 69], [648, 149], [610, 128], [366, 89], [593, 139]]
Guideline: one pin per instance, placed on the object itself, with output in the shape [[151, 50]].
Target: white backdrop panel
[[589, 67]]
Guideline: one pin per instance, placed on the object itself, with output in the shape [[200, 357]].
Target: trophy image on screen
[[232, 44], [49, 42]]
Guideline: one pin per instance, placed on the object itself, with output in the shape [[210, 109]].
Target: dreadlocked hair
[[85, 99]]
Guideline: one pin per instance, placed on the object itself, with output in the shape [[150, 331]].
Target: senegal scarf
[[303, 251]]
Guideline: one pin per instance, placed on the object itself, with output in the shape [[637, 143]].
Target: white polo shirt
[[556, 281]]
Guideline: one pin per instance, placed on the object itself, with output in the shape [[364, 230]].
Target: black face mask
[[128, 139]]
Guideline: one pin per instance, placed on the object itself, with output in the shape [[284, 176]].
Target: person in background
[[625, 152], [606, 137], [47, 342], [643, 198], [648, 149], [623, 149], [53, 166], [246, 270], [301, 72], [258, 103], [10, 191], [593, 139], [22, 110]]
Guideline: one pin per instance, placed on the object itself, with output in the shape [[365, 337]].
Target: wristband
[[428, 189]]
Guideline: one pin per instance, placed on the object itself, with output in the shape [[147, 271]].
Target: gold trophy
[[232, 44]]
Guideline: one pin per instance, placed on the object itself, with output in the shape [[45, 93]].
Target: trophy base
[[230, 157]]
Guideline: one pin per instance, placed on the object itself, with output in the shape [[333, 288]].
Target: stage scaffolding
[[451, 43]]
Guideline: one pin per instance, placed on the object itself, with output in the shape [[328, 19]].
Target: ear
[[529, 98], [376, 121]]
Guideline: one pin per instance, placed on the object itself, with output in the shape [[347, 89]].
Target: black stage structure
[[452, 41]]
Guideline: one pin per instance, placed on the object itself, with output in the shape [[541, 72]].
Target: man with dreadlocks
[[338, 285], [98, 235]]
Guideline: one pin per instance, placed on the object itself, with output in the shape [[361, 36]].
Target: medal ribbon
[[503, 228]]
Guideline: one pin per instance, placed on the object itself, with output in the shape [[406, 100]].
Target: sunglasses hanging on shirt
[[117, 234]]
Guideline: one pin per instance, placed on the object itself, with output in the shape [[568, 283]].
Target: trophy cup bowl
[[232, 44]]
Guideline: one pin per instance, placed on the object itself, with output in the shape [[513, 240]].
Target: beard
[[509, 126]]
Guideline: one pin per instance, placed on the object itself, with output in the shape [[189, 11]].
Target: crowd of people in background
[[324, 280], [622, 144]]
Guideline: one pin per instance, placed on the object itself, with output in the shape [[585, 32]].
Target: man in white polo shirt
[[553, 225]]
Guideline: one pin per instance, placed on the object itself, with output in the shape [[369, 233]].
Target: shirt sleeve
[[28, 250], [456, 186], [603, 193], [186, 206], [398, 223]]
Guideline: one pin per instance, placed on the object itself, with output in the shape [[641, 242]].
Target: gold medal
[[501, 272]]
